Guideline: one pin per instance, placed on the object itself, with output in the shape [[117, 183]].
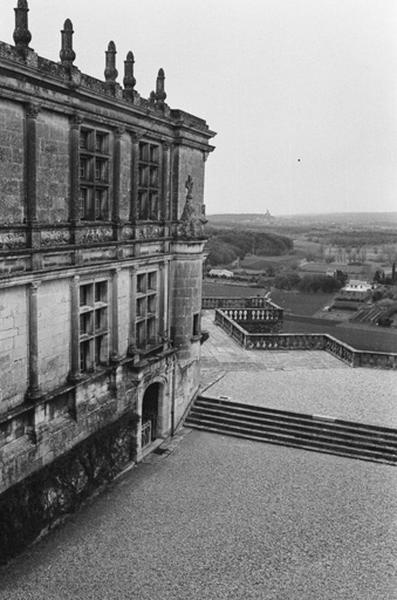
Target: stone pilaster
[[114, 334], [117, 182], [132, 333], [135, 138], [74, 201], [163, 303], [32, 112], [75, 341], [174, 168], [165, 206], [34, 370]]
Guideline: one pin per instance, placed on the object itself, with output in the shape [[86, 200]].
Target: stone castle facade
[[101, 252]]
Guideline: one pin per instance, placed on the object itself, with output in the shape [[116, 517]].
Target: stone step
[[307, 436], [299, 431], [319, 433], [387, 433], [305, 425], [282, 440]]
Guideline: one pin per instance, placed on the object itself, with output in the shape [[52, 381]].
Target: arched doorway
[[150, 411]]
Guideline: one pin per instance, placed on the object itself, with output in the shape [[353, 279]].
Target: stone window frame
[[147, 309], [149, 181], [94, 325], [94, 174]]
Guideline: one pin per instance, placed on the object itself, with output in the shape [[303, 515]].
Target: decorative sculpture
[[129, 80], [22, 35], [111, 72], [67, 54], [192, 220]]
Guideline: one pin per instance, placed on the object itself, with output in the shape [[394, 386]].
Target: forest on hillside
[[226, 245]]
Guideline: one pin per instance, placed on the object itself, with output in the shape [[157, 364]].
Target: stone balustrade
[[303, 341], [238, 302], [254, 314]]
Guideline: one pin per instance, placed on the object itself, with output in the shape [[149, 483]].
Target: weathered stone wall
[[52, 168], [11, 162], [125, 174], [186, 296], [34, 504], [187, 379], [13, 347], [186, 286], [54, 333]]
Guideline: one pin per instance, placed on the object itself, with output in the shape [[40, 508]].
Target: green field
[[261, 263], [300, 303], [229, 290], [364, 338]]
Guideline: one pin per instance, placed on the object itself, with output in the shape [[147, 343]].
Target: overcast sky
[[302, 93]]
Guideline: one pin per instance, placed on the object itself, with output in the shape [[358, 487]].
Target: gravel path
[[223, 518]]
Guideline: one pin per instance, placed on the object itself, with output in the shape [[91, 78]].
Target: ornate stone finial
[[160, 89], [152, 97], [67, 54], [129, 80], [110, 67], [22, 35]]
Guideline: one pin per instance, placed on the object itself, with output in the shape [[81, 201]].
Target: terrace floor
[[223, 518], [311, 382]]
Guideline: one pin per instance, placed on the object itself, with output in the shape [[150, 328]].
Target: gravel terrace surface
[[224, 518], [312, 382]]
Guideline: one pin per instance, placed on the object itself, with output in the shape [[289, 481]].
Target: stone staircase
[[310, 432]]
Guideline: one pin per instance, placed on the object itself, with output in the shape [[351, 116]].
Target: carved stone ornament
[[12, 239], [32, 110], [129, 80], [22, 36], [54, 237], [148, 232], [127, 233], [97, 234], [67, 54]]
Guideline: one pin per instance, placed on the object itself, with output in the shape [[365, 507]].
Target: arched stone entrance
[[150, 414]]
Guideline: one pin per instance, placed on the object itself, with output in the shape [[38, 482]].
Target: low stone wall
[[36, 503], [304, 341]]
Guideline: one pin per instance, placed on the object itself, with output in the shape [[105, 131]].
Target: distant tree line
[[226, 245], [355, 238], [310, 283]]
